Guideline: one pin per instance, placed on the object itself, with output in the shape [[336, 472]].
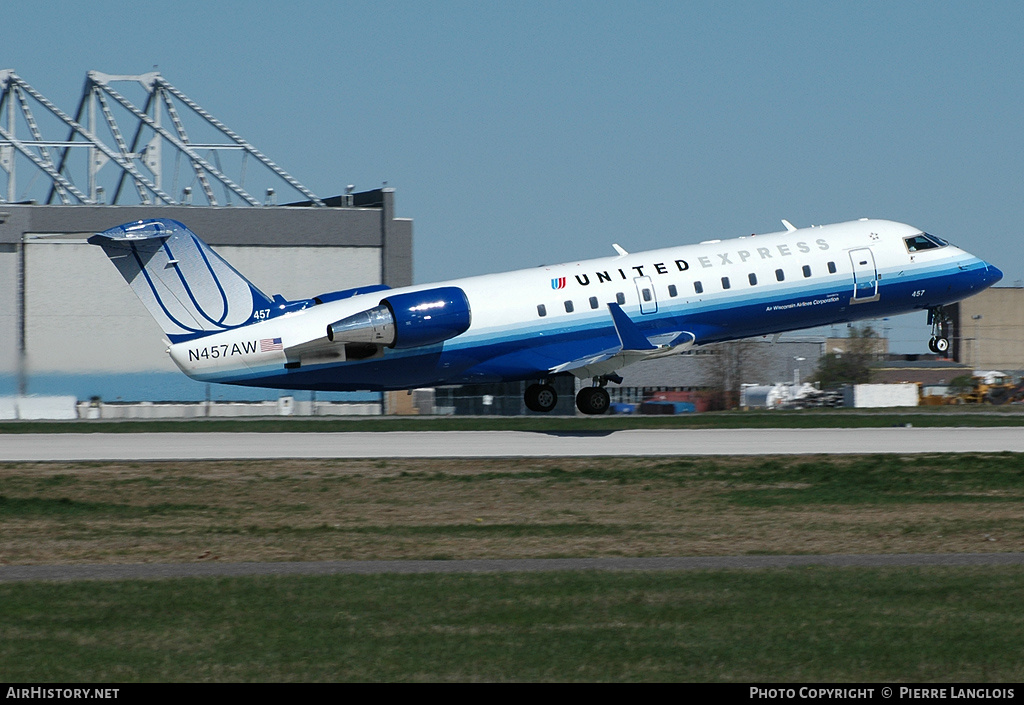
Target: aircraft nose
[[992, 274]]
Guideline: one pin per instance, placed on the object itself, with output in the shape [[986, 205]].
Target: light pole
[[977, 340], [796, 370]]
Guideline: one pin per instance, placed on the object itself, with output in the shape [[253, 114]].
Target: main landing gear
[[542, 397], [593, 400], [939, 321]]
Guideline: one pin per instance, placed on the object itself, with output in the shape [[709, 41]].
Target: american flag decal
[[558, 283], [270, 344]]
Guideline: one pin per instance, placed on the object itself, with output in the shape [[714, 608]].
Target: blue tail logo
[[189, 289]]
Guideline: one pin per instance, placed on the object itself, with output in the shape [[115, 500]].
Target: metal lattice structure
[[166, 151]]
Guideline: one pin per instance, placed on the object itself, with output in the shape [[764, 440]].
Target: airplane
[[589, 319]]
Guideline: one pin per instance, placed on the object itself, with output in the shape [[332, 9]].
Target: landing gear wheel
[[940, 323], [540, 397], [593, 400]]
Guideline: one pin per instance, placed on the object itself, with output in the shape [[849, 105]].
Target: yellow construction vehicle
[[984, 388]]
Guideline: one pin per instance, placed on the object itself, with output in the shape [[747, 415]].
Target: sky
[[523, 133]]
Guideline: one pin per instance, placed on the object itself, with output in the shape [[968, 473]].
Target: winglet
[[789, 226], [629, 334]]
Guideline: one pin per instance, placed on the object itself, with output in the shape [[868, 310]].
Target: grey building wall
[[988, 329], [8, 307], [268, 226], [770, 363], [86, 333]]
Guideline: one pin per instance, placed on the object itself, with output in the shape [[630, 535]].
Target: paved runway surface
[[213, 569], [477, 444]]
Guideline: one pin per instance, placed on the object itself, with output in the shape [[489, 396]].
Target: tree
[[852, 365], [725, 367]]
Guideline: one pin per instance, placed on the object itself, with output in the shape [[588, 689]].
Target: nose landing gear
[[939, 321]]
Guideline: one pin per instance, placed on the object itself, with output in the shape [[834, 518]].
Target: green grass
[[801, 624], [829, 418], [504, 508], [63, 507], [809, 624], [885, 479]]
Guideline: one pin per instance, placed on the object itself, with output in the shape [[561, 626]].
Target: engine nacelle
[[407, 320], [428, 317]]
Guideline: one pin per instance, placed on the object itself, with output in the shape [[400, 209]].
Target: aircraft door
[[865, 276], [645, 290]]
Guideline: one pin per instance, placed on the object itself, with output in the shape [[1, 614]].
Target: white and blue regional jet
[[589, 319]]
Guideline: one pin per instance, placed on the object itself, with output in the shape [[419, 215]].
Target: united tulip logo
[[558, 283]]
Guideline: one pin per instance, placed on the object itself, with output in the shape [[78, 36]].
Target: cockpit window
[[924, 241]]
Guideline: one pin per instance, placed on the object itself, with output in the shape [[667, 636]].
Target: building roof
[[926, 372]]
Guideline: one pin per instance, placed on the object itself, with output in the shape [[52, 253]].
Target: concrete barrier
[[198, 410], [32, 407]]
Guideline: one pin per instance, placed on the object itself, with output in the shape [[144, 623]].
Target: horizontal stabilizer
[[124, 235]]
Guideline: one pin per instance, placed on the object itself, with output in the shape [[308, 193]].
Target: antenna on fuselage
[[789, 226]]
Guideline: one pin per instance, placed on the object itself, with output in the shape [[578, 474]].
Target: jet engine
[[407, 320]]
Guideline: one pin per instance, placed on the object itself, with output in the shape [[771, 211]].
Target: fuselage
[[526, 324]]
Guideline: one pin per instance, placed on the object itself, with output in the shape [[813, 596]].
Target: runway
[[70, 447]]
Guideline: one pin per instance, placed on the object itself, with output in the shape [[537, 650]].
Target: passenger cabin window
[[780, 275], [569, 307], [752, 278], [807, 270], [831, 267], [620, 298], [725, 282], [924, 241], [646, 294], [593, 302], [542, 310], [698, 287], [672, 291]]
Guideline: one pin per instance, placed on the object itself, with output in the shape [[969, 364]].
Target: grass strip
[[339, 509], [807, 624]]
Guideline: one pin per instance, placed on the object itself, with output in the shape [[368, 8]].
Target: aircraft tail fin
[[189, 289]]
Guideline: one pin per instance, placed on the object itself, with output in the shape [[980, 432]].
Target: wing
[[633, 347]]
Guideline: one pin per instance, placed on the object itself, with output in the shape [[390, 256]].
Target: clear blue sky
[[521, 133]]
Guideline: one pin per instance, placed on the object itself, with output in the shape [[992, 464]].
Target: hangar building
[[70, 324], [76, 328]]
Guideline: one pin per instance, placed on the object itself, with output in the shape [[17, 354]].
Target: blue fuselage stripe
[[530, 351]]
